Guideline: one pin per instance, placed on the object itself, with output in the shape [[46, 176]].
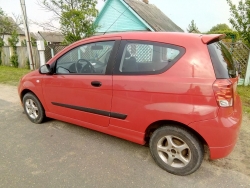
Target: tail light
[[224, 92]]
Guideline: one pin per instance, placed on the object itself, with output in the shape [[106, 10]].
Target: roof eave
[[137, 16]]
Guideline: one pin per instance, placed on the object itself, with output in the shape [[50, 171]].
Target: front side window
[[86, 59], [144, 57]]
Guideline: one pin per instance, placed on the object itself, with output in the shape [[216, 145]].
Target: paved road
[[58, 154]]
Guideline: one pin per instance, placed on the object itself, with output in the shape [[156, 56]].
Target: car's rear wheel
[[33, 108], [176, 150]]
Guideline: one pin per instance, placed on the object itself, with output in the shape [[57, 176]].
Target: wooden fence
[[22, 53]]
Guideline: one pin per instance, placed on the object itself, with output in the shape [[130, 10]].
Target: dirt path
[[9, 93], [239, 159]]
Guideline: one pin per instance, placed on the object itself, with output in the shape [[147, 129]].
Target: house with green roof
[[133, 15]]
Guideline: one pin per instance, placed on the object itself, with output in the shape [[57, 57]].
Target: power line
[[123, 15], [115, 21]]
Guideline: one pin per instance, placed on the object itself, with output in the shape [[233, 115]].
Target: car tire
[[33, 108], [176, 150]]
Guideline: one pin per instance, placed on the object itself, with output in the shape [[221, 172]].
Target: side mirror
[[45, 69]]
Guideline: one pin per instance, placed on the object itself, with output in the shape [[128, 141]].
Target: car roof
[[168, 37]]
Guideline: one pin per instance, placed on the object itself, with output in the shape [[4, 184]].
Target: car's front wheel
[[33, 108], [176, 150]]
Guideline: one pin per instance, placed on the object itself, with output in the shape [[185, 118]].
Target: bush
[[13, 40], [27, 63], [14, 60], [0, 58], [1, 45]]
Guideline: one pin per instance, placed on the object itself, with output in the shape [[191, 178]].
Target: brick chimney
[[145, 1]]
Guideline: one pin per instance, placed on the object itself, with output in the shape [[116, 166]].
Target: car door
[[81, 86], [139, 83]]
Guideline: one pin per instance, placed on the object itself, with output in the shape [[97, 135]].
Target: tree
[[6, 26], [224, 29], [76, 17], [192, 28], [220, 27], [240, 18]]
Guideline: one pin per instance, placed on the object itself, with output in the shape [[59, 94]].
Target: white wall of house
[[6, 42]]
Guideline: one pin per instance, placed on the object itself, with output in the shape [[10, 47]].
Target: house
[[133, 15], [53, 41], [20, 32], [51, 37]]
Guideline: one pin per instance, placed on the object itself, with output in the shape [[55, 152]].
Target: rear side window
[[144, 57], [223, 63]]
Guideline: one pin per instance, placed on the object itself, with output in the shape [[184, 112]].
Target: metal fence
[[142, 52], [240, 53], [51, 50]]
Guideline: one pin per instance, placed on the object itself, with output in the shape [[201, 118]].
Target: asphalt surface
[[58, 154]]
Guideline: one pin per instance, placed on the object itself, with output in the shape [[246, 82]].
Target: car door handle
[[96, 83]]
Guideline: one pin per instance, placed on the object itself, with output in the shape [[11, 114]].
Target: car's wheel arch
[[157, 124], [25, 91]]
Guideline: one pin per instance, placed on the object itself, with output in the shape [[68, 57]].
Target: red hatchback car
[[174, 91]]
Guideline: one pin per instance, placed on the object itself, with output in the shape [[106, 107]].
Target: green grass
[[244, 93], [11, 75]]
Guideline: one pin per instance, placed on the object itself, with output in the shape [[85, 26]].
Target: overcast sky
[[205, 13]]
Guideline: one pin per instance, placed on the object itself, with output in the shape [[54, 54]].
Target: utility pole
[[27, 34]]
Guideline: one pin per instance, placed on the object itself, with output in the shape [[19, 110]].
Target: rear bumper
[[220, 152], [221, 133]]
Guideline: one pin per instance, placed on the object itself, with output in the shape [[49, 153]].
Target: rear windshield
[[223, 63]]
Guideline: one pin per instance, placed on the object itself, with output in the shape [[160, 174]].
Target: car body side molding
[[118, 115], [92, 110]]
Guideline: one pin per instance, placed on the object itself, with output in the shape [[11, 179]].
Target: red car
[[173, 91]]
